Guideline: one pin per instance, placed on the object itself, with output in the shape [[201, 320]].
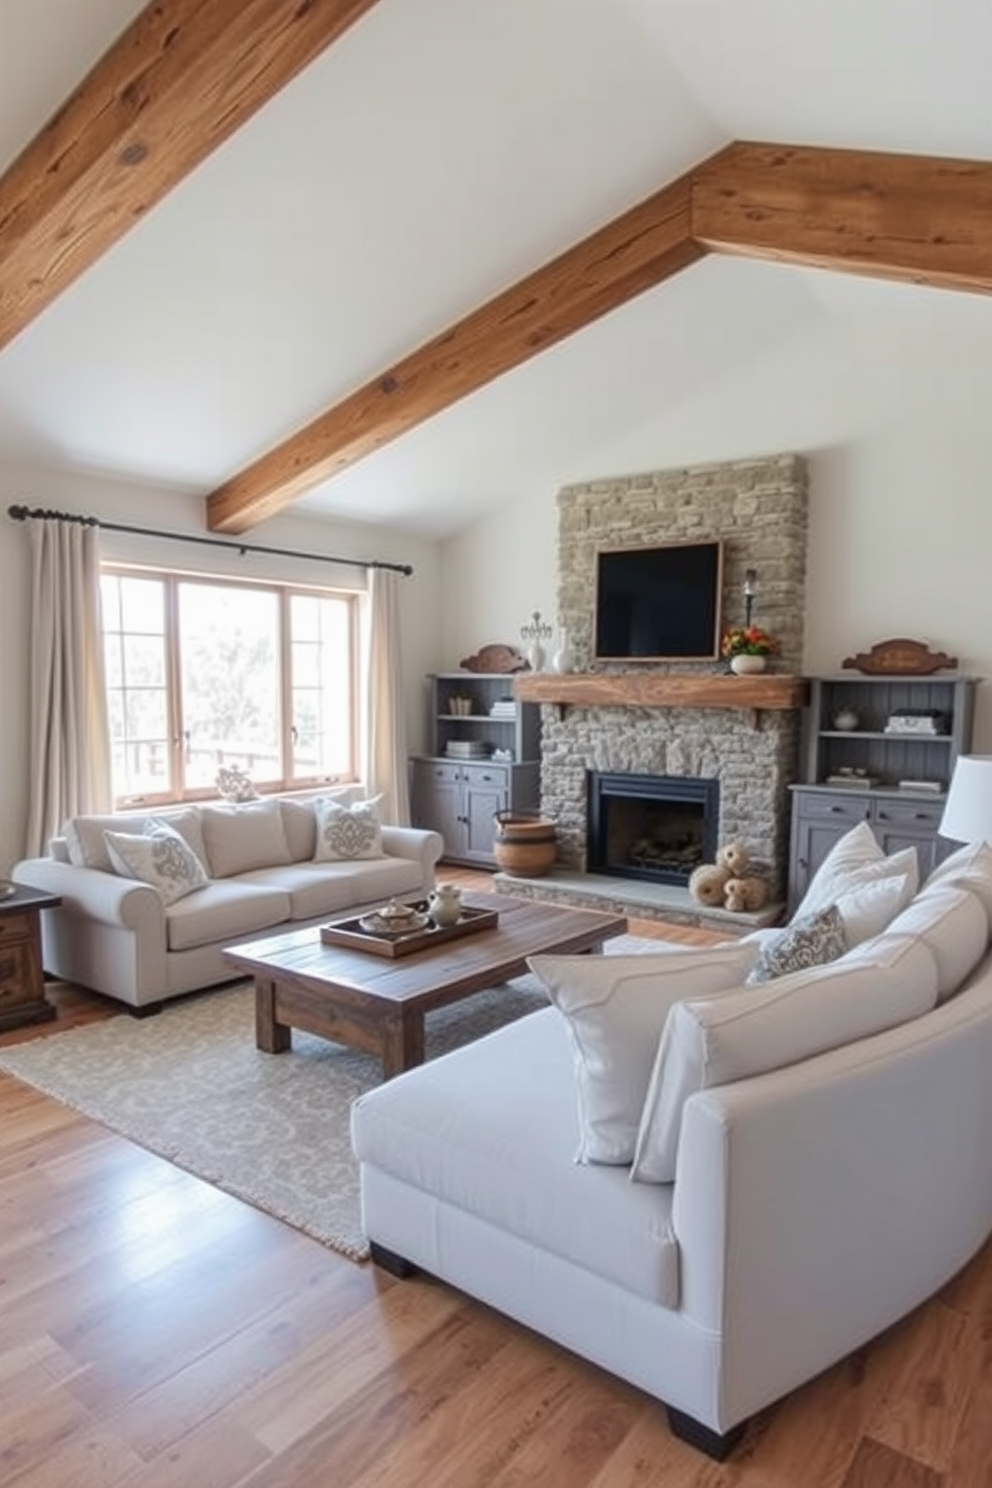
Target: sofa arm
[[97, 895], [816, 1205], [419, 845]]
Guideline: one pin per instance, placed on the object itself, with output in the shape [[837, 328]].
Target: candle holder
[[535, 634]]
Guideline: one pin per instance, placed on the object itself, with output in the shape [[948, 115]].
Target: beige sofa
[[119, 936]]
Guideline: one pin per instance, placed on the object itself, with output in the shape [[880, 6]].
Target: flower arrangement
[[748, 640]]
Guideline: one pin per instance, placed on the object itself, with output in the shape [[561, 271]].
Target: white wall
[[890, 411], [172, 512]]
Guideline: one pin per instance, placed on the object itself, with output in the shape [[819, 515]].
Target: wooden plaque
[[900, 657]]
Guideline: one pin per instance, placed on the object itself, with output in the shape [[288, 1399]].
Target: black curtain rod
[[40, 514]]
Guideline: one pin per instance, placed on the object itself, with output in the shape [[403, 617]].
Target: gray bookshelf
[[828, 800], [478, 763]]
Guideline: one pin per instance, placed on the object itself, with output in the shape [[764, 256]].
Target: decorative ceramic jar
[[445, 904], [745, 665]]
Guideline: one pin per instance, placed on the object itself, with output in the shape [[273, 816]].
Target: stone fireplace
[[746, 754]]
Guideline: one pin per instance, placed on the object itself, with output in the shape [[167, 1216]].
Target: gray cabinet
[[484, 757], [905, 774]]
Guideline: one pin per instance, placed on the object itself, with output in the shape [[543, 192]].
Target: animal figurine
[[707, 884], [735, 857], [745, 894]]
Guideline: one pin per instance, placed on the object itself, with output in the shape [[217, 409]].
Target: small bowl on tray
[[394, 919]]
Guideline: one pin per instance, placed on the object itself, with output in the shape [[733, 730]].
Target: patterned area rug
[[190, 1085]]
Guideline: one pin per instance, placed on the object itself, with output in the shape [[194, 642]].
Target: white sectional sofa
[[714, 1191], [121, 936]]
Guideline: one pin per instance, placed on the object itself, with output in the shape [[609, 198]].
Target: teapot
[[445, 904]]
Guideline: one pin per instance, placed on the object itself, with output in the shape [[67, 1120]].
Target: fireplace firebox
[[656, 827]]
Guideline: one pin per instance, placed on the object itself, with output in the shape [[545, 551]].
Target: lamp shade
[[968, 812]]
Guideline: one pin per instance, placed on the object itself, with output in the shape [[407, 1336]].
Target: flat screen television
[[660, 603]]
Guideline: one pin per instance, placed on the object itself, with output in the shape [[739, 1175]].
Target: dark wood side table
[[22, 985]]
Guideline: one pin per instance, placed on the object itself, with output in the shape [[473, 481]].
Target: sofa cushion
[[159, 857], [615, 1008], [244, 836], [811, 941], [953, 924], [334, 888], [968, 868], [715, 1041], [86, 847], [347, 832], [224, 911], [491, 1129]]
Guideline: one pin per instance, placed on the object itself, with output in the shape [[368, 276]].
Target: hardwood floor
[[156, 1333]]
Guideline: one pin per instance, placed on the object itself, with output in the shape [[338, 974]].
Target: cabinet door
[[899, 824], [485, 794], [819, 821], [438, 803]]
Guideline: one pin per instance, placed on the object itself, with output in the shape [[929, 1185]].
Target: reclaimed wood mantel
[[661, 690]]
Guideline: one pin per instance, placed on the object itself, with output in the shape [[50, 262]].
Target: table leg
[[402, 1042], [270, 1036]]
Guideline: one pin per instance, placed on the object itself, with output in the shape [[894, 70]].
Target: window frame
[[172, 579]]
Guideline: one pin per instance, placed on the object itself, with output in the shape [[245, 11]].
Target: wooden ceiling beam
[[180, 80], [914, 218], [631, 254]]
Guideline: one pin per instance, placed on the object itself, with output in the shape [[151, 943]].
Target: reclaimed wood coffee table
[[378, 1004]]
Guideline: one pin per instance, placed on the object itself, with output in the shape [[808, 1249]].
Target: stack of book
[[503, 708], [924, 721], [466, 749]]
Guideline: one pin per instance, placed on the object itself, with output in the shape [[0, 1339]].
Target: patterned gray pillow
[[812, 941], [160, 857], [345, 832]]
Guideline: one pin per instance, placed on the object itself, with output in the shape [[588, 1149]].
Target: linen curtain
[[385, 765], [69, 734]]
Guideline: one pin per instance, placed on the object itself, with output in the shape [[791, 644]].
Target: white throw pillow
[[714, 1042], [856, 849], [616, 1007], [241, 837], [827, 887], [347, 832], [84, 835], [161, 858], [868, 908]]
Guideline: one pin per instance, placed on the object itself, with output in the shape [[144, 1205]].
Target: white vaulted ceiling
[[437, 153]]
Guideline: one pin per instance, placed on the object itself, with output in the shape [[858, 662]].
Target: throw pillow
[[856, 849], [812, 941], [347, 832], [239, 838], [716, 1041], [160, 857], [615, 1008], [827, 888]]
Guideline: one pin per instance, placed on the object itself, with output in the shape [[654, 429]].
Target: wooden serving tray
[[350, 933]]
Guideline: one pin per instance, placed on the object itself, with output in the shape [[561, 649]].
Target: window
[[204, 672]]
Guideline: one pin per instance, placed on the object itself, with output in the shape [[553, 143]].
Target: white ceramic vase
[[561, 660], [746, 665]]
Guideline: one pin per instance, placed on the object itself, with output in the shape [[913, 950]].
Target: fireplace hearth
[[653, 827]]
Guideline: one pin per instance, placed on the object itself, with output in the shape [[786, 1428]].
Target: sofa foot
[[146, 1010], [716, 1444], [388, 1260]]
